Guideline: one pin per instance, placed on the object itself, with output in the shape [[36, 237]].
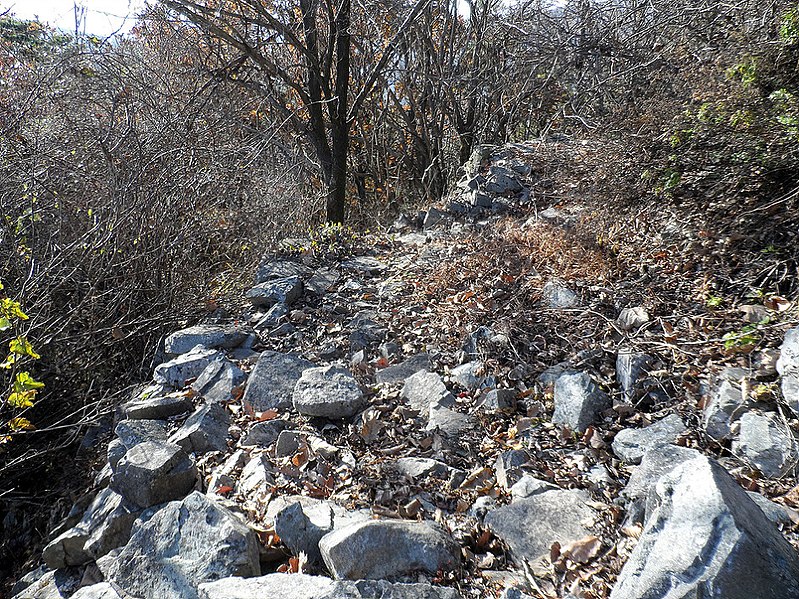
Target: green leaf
[[25, 382], [22, 347], [5, 323], [22, 400]]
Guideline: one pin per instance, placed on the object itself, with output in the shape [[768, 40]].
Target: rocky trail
[[521, 393]]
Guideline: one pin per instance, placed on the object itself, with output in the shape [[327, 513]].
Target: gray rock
[[530, 526], [205, 430], [223, 475], [400, 372], [387, 548], [766, 443], [508, 467], [364, 264], [272, 381], [277, 291], [57, 584], [264, 434], [273, 318], [210, 336], [725, 406], [776, 512], [497, 400], [414, 468], [557, 296], [631, 444], [528, 485], [116, 451], [190, 365], [631, 368], [67, 549], [328, 391], [154, 472], [548, 378], [432, 218], [707, 538], [514, 594], [256, 478], [449, 422], [101, 590], [158, 408], [578, 401], [469, 375], [270, 270], [631, 319], [502, 181], [656, 462], [109, 520], [304, 586], [216, 383], [424, 389], [289, 442], [788, 368], [133, 432], [183, 545], [322, 281]]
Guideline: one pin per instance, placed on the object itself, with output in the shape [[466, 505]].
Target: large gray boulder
[[631, 444], [788, 367], [186, 366], [101, 590], [183, 545], [304, 586], [530, 526], [216, 383], [328, 391], [154, 472], [271, 382], [706, 538], [205, 430], [387, 548], [578, 401], [657, 461], [211, 336], [766, 443]]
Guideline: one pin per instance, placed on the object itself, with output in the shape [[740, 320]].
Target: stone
[[210, 336], [190, 365], [277, 291], [497, 400], [705, 537], [387, 548], [725, 406], [788, 368], [108, 521], [158, 408], [322, 281], [631, 368], [57, 584], [264, 434], [502, 181], [184, 544], [418, 468], [776, 512], [272, 319], [449, 422], [424, 389], [548, 378], [328, 391], [256, 478], [656, 462], [508, 467], [632, 319], [432, 218], [289, 442], [223, 475], [631, 444], [400, 372], [528, 485], [766, 444], [557, 296], [578, 401], [305, 586], [765, 363], [154, 472], [513, 593], [101, 590], [469, 376], [217, 382], [116, 451], [67, 549], [133, 432], [364, 264], [205, 430], [271, 382], [270, 270], [530, 526]]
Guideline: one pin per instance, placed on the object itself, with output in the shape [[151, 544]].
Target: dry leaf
[[268, 415], [777, 303], [584, 550], [224, 489]]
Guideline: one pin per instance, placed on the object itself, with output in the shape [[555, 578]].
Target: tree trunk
[[337, 187]]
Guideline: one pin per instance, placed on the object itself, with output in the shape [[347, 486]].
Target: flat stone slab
[[387, 548], [328, 391], [187, 366], [277, 291], [211, 336], [205, 430], [399, 372], [217, 381], [631, 444], [530, 526], [272, 381], [304, 586], [158, 408], [415, 468]]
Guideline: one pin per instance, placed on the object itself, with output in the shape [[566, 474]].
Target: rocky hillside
[[534, 390]]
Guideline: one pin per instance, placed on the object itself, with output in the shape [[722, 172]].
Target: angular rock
[[508, 467], [210, 336], [656, 462], [304, 586], [557, 296], [631, 368], [222, 476], [424, 389], [108, 522], [631, 319], [414, 468], [322, 281], [55, 584], [578, 401], [766, 443], [387, 548], [706, 538], [272, 381], [364, 264], [256, 478], [788, 368], [502, 181], [498, 400], [216, 383], [101, 590], [469, 376], [277, 291], [158, 408], [186, 366], [400, 372], [183, 545], [205, 430], [67, 549], [528, 485], [549, 377], [328, 391], [631, 444], [270, 270], [530, 526], [154, 472], [725, 406], [264, 434], [289, 442], [448, 421], [273, 318]]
